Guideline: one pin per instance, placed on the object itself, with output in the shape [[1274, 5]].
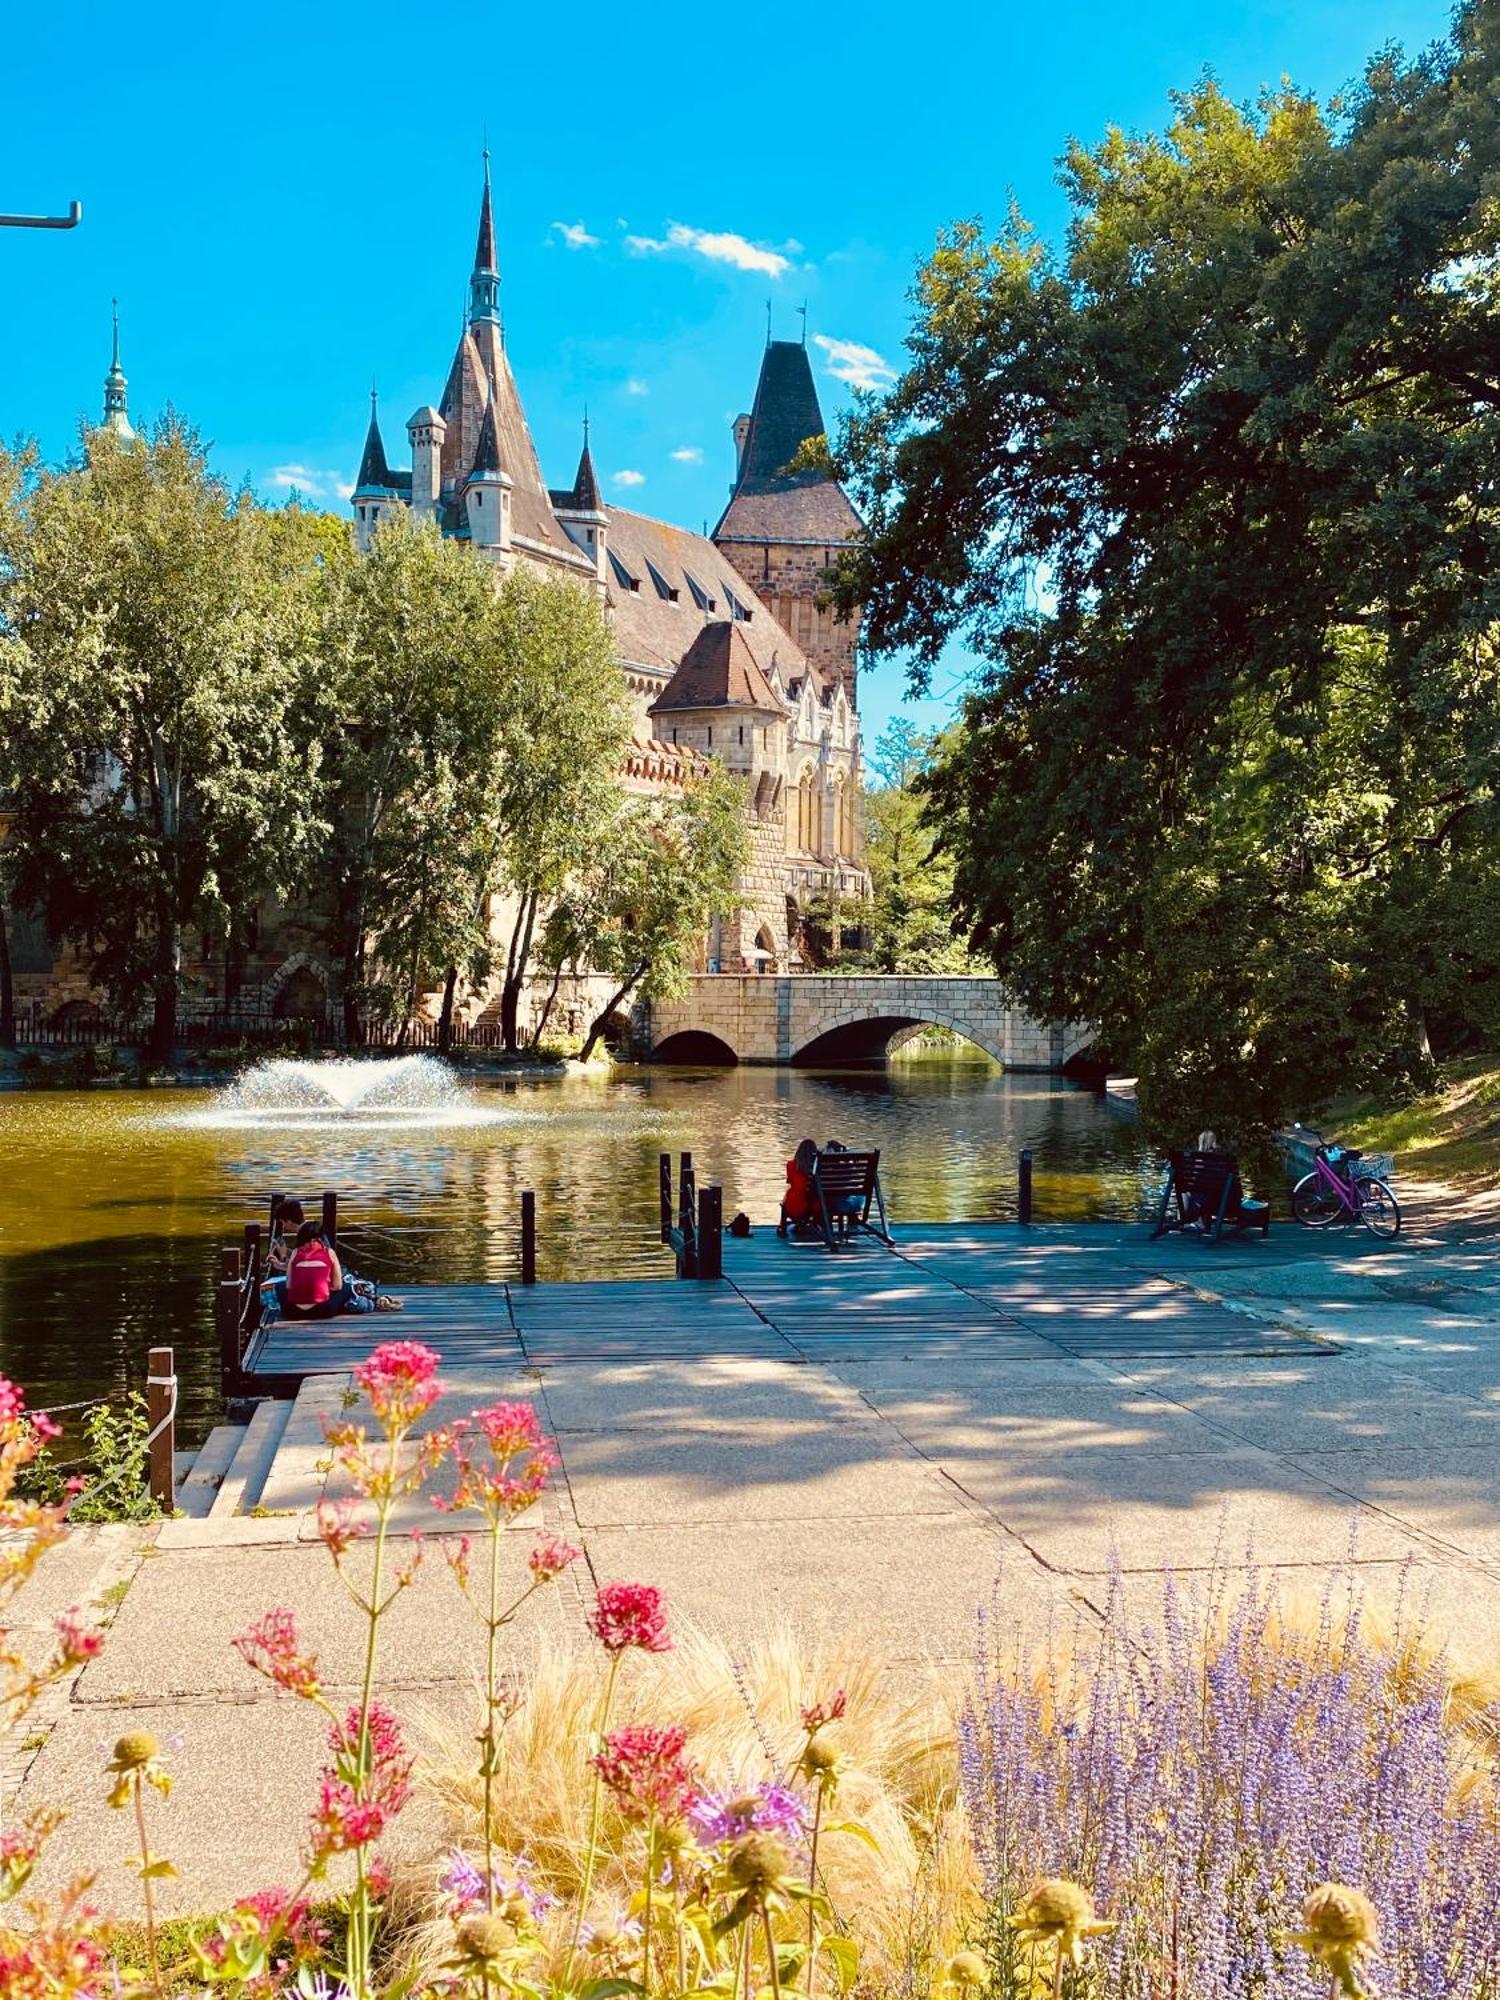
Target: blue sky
[[284, 200]]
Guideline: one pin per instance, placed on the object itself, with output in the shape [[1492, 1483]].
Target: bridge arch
[[867, 1034], [695, 1047]]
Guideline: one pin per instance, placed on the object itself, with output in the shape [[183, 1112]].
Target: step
[[199, 1484], [242, 1484], [294, 1484]]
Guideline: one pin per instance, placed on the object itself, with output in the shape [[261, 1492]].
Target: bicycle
[[1339, 1190]]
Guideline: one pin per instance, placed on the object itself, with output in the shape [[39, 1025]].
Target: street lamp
[[69, 221]]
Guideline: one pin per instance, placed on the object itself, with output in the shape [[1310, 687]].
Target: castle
[[724, 643]]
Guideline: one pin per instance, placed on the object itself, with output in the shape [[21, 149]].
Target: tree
[[910, 918], [155, 625], [638, 911], [1211, 492]]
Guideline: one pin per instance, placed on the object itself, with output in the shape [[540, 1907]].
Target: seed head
[[1061, 1911], [821, 1753], [966, 1968], [135, 1750], [757, 1863], [484, 1939], [1339, 1925]]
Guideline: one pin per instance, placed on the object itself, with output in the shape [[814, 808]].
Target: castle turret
[[116, 416], [484, 280], [582, 511], [374, 485], [784, 530], [487, 492], [426, 430]]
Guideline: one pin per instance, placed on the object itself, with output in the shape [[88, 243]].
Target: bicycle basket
[[1376, 1166]]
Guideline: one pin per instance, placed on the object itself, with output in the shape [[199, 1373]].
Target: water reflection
[[118, 1201]]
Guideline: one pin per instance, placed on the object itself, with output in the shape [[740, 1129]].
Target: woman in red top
[[800, 1202], [314, 1277]]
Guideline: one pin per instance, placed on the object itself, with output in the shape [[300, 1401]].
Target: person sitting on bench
[[799, 1205]]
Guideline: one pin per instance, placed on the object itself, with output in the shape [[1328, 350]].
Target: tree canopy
[[1211, 491]]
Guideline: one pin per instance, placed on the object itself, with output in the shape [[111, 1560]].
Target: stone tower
[[782, 530]]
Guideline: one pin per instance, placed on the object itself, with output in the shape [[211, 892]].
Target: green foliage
[[113, 1468], [153, 624], [1211, 493], [910, 922]]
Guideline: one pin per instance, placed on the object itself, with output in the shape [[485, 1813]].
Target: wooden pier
[[970, 1291]]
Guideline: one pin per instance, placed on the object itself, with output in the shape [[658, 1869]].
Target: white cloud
[[636, 387], [310, 482], [345, 490], [860, 367], [628, 478], [719, 246], [576, 236], [690, 454]]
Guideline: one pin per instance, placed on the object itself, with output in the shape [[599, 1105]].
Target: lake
[[116, 1202]]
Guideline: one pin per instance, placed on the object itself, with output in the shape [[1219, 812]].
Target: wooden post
[[331, 1219], [1023, 1210], [687, 1218], [664, 1178], [252, 1253], [227, 1320], [161, 1408], [528, 1237], [711, 1231]]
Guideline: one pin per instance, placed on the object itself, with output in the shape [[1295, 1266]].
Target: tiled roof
[[584, 495], [770, 504], [481, 376], [487, 451], [484, 249], [719, 671], [373, 470], [655, 631]]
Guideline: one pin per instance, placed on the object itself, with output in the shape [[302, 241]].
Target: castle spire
[[484, 284], [116, 415], [374, 472]]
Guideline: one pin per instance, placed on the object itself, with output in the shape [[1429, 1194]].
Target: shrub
[[1200, 1782], [110, 1482]]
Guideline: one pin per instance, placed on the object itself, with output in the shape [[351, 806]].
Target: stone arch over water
[[866, 1035], [693, 1046]]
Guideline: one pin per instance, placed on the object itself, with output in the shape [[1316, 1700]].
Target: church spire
[[484, 283], [116, 416]]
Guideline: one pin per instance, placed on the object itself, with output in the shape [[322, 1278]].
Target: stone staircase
[[228, 1475]]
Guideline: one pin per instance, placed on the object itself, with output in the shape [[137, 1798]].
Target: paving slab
[[1158, 1509], [908, 1590], [1041, 1365], [763, 1473], [997, 1417], [175, 1630], [712, 1393], [1451, 1492], [245, 1778], [1340, 1412]]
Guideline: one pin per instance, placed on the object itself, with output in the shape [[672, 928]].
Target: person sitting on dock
[[317, 1286], [288, 1219], [799, 1205]]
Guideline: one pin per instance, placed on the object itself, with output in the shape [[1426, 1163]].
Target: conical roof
[[719, 670], [769, 502], [373, 469]]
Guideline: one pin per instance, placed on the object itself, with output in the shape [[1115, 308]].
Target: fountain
[[345, 1091]]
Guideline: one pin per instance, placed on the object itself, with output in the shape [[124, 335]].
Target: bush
[[1197, 1783], [113, 1467]]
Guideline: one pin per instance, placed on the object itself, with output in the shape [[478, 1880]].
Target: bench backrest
[[1204, 1175], [847, 1174]]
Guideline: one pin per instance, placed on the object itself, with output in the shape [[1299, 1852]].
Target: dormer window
[[737, 610], [622, 575], [700, 596], [663, 589]]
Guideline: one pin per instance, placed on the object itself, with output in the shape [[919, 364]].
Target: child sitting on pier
[[799, 1205], [317, 1286]]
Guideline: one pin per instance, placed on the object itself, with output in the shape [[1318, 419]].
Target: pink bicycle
[[1339, 1189]]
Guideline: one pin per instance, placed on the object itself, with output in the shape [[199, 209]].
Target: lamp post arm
[[69, 221]]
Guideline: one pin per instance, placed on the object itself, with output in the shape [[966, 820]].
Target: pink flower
[[342, 1820], [550, 1558], [365, 1787], [77, 1642], [510, 1428], [824, 1711], [337, 1526], [400, 1379], [42, 1427], [12, 1400], [271, 1648], [512, 1432], [630, 1614], [644, 1767]]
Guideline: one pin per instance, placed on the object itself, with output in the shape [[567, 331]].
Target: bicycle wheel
[[1315, 1203], [1377, 1209]]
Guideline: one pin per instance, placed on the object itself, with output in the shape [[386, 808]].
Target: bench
[[1205, 1188], [847, 1185]]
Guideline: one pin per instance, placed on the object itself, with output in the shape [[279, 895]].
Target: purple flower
[[464, 1884], [722, 1816]]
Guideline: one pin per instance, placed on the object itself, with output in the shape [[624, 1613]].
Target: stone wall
[[790, 578]]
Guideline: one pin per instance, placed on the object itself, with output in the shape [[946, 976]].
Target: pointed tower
[[116, 416], [484, 281], [582, 511], [375, 488], [487, 494], [783, 530]]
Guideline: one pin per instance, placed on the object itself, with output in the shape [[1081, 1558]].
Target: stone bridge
[[825, 1020]]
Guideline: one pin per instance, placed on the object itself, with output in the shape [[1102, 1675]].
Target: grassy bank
[[1451, 1136]]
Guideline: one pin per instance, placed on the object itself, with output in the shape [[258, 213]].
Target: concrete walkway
[[879, 1490]]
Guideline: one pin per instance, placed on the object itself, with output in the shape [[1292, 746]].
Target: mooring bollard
[[161, 1419], [1024, 1205], [528, 1237], [227, 1320]]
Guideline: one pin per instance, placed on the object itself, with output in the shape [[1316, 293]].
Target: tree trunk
[[7, 985], [596, 1026], [445, 1013], [546, 1014], [164, 993], [515, 972]]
